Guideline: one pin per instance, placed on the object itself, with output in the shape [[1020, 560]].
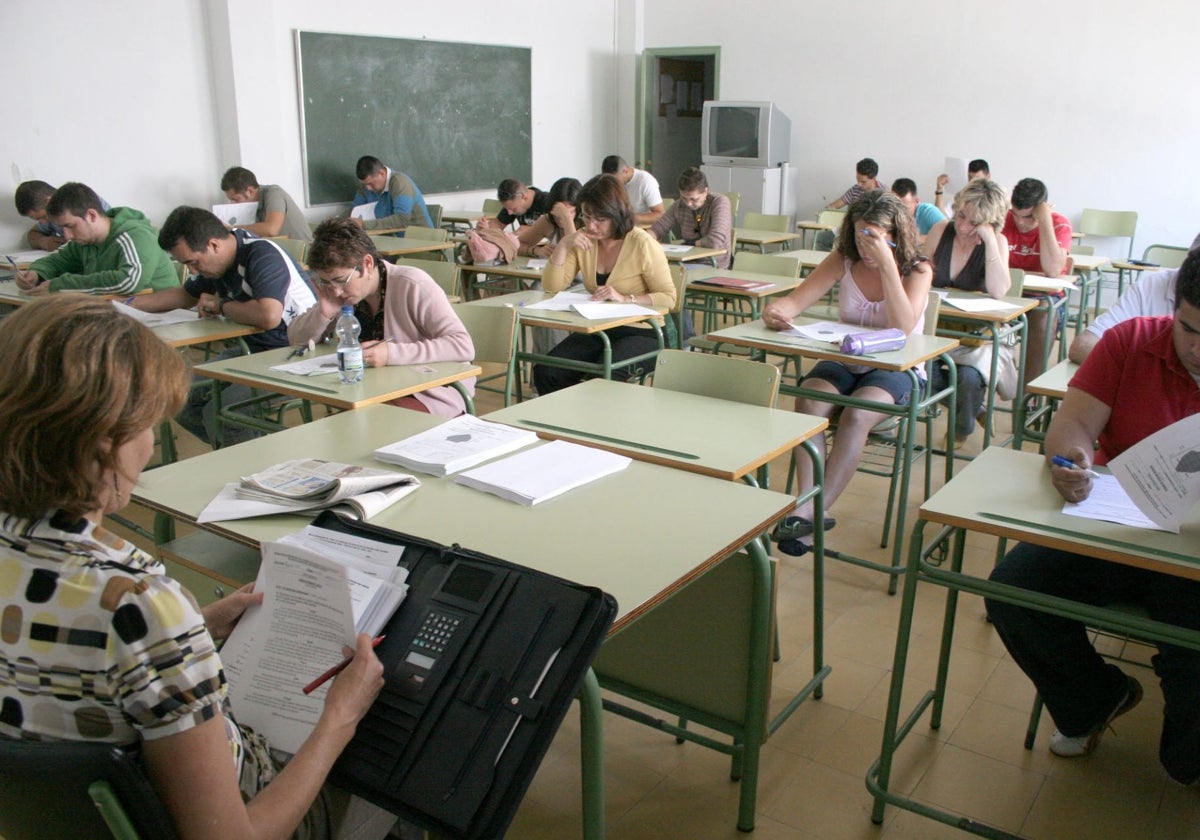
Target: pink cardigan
[[422, 323]]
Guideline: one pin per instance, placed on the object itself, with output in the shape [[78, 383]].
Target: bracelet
[[937, 192], [221, 307], [633, 298]]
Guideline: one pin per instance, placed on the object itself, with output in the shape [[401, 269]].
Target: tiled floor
[[811, 784]]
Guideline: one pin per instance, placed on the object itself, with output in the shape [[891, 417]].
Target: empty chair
[[778, 265], [767, 221], [1110, 223], [493, 331], [444, 273], [721, 377], [492, 207], [435, 214], [424, 234], [1167, 256], [297, 249], [735, 199]]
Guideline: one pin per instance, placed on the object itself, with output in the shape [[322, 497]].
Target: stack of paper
[[319, 592], [156, 319], [605, 310], [309, 485], [455, 445], [735, 283], [543, 473]]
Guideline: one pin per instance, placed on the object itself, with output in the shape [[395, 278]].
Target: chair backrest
[[445, 274], [297, 249], [735, 199], [722, 377], [427, 234], [1083, 250], [435, 214], [180, 271], [932, 305], [493, 330], [767, 221], [1109, 223], [1017, 282], [831, 217], [780, 266], [667, 202], [52, 790], [492, 207], [1168, 256]]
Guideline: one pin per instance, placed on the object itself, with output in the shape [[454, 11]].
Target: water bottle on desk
[[349, 350]]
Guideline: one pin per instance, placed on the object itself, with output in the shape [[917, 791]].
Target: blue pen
[[868, 234], [1060, 461]]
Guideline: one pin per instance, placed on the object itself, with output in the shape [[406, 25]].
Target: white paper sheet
[[364, 211], [1108, 502], [1161, 473], [561, 302], [310, 365], [603, 311], [156, 319], [979, 304], [830, 331], [236, 215]]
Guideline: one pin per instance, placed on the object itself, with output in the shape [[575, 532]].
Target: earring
[[117, 490]]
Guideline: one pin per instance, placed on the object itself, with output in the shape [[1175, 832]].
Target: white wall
[[1089, 97], [152, 119]]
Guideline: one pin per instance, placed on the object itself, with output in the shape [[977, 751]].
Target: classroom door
[[674, 84]]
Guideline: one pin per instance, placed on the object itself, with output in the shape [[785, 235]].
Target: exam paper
[[561, 302], [364, 211], [603, 311], [236, 215], [1108, 502], [1161, 473], [830, 331], [311, 365], [156, 319], [980, 304], [676, 249]]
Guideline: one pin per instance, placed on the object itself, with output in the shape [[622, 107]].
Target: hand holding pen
[[1071, 474], [345, 663], [375, 354]]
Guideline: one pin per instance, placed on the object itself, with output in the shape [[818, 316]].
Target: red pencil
[[336, 669]]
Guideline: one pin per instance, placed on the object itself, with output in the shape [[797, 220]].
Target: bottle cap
[[347, 309]]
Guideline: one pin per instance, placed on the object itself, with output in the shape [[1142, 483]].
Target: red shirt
[[1023, 252], [1135, 371]]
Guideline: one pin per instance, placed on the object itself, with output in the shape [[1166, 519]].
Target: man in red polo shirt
[[1143, 375]]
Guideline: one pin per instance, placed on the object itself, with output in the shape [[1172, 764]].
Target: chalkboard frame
[[468, 127]]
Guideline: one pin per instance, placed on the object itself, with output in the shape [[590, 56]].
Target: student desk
[[1008, 494], [202, 331], [809, 259], [992, 327], [714, 296], [1088, 269], [519, 269], [378, 385], [11, 296], [569, 321], [1053, 385], [760, 239], [692, 253], [807, 226], [399, 246], [456, 220], [917, 351], [635, 553]]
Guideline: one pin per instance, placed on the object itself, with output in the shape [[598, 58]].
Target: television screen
[[733, 132]]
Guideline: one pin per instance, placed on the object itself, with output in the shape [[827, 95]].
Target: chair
[[297, 249], [720, 377], [767, 221], [435, 214], [1016, 285], [831, 217], [445, 274], [666, 203], [735, 199], [492, 207], [424, 234], [493, 331], [1110, 223], [83, 790], [1167, 256], [780, 266]]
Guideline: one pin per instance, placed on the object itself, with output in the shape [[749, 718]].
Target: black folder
[[481, 663]]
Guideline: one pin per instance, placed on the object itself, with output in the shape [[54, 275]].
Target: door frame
[[646, 98]]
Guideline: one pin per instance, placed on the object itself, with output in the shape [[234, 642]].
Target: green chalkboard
[[452, 116]]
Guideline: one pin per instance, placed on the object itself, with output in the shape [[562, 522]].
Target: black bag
[[481, 663]]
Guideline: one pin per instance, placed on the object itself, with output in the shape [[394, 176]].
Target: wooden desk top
[[13, 296], [991, 316], [813, 224], [635, 553], [519, 267], [808, 257], [1008, 493], [556, 319], [202, 331], [918, 350], [395, 246], [1041, 283], [752, 236], [1088, 262], [378, 385], [672, 428], [780, 285], [1054, 382]]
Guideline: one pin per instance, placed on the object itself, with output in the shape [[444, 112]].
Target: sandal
[[797, 526]]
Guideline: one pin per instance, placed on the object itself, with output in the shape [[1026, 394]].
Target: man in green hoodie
[[107, 253]]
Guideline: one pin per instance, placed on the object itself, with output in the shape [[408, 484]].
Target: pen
[[336, 669], [300, 351], [868, 234], [377, 343], [1060, 461], [12, 262]]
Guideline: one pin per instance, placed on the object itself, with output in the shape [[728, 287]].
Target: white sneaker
[[1081, 745]]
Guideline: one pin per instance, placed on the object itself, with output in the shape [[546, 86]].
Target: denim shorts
[[845, 381]]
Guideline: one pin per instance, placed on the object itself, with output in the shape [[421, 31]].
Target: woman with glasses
[[619, 262], [970, 253], [404, 315], [882, 282], [100, 644]]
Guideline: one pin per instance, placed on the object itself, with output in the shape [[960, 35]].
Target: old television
[[745, 134]]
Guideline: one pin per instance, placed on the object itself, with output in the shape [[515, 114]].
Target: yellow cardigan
[[641, 268]]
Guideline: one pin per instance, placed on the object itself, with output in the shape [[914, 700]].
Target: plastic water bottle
[[874, 341], [349, 351]]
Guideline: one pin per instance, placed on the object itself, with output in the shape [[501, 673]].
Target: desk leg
[[591, 743]]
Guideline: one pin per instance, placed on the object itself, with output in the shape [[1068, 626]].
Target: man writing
[[110, 252], [278, 213], [398, 202], [1142, 376], [248, 280], [699, 217]]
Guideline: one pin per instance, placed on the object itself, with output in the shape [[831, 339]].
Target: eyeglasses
[[587, 218], [340, 282]]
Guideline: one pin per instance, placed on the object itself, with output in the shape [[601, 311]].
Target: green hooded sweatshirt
[[127, 262]]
